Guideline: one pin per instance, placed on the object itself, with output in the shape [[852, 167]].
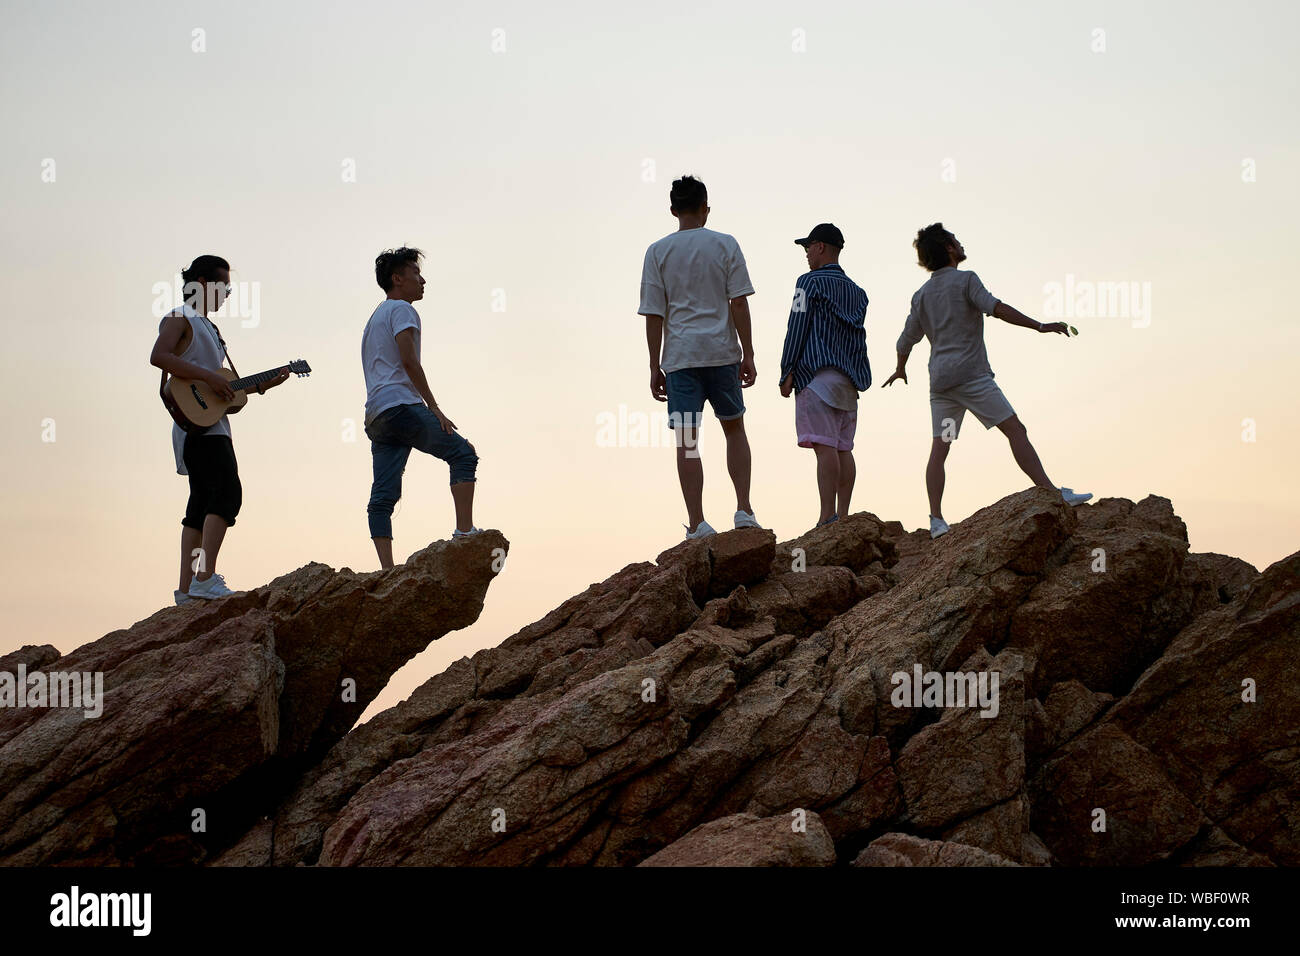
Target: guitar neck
[[252, 381]]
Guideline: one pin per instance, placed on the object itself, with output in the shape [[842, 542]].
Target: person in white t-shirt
[[401, 412], [694, 289]]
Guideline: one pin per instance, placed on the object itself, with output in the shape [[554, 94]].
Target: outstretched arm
[[911, 334], [1014, 316], [901, 370]]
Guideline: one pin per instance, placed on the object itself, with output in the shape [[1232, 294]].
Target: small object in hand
[[1073, 330]]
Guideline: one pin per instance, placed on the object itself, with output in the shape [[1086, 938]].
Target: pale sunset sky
[[529, 149]]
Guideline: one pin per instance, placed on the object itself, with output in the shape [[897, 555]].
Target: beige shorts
[[982, 398]]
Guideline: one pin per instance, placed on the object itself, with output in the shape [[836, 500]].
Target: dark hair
[[932, 246], [688, 194], [392, 261], [204, 269]]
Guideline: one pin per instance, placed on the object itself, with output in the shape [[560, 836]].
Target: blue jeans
[[393, 433]]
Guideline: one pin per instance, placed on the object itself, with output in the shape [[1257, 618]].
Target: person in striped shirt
[[825, 363]]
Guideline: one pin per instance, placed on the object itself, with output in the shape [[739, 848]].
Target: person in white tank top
[[189, 346]]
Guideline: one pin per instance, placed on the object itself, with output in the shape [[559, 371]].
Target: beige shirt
[[949, 310]]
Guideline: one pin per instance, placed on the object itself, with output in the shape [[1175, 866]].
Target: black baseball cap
[[824, 232]]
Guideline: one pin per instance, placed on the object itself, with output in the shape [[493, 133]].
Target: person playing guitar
[[189, 346]]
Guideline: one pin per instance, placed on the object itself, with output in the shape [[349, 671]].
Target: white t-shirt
[[204, 351], [835, 388], [688, 277], [387, 383]]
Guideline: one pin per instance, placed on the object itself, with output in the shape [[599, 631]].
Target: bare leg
[[462, 495], [690, 473], [934, 476], [191, 538], [738, 461], [384, 548], [1024, 452], [214, 532], [828, 479], [848, 474]]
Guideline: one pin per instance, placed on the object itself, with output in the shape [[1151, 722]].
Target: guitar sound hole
[[197, 397]]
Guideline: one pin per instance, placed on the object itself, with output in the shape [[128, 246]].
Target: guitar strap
[[172, 408], [223, 344]]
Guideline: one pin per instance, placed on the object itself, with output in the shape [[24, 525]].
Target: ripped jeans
[[393, 433]]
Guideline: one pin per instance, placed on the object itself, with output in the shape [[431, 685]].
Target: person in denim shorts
[[694, 289]]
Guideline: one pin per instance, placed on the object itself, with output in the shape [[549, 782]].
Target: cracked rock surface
[[734, 702]]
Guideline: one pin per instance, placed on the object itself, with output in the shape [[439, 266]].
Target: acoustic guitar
[[195, 406]]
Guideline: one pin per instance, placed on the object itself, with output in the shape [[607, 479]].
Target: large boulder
[[209, 710]]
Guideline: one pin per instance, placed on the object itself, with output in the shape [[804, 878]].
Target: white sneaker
[[457, 533], [703, 531], [213, 587], [181, 597], [1073, 498], [746, 519], [938, 527]]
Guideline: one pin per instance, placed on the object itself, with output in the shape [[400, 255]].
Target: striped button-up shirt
[[826, 328]]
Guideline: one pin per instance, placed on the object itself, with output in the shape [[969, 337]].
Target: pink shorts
[[815, 422]]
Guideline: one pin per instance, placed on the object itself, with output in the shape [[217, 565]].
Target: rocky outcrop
[[1041, 686], [210, 710], [680, 711]]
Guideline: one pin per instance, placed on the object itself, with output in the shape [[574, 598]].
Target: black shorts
[[214, 479]]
